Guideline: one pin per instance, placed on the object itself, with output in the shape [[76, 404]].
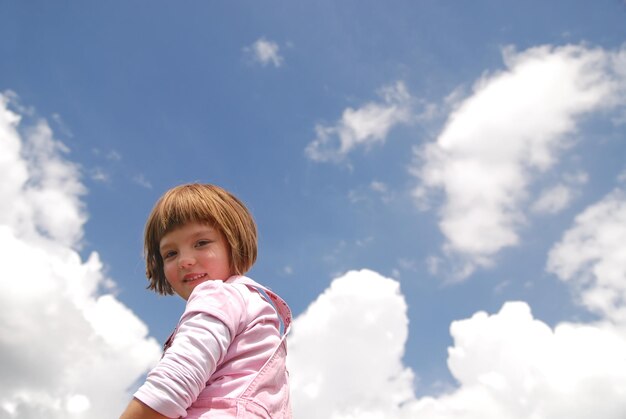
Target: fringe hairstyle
[[201, 203]]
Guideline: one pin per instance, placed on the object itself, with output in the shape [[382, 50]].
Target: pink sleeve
[[200, 343], [223, 301]]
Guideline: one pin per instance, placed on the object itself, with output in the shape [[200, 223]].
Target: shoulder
[[236, 290], [220, 300], [216, 288], [259, 302], [245, 285]]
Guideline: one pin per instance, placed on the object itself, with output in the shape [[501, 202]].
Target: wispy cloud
[[60, 331], [365, 126], [374, 190], [265, 52], [592, 256], [99, 175], [556, 198], [110, 155], [141, 180], [513, 127], [114, 155], [553, 200], [378, 186]]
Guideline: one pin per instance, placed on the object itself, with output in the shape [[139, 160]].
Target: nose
[[186, 261]]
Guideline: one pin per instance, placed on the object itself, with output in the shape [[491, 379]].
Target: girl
[[226, 357]]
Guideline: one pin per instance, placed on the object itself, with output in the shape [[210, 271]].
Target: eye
[[201, 243], [169, 254]]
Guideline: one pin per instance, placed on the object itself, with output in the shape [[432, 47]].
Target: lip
[[192, 277]]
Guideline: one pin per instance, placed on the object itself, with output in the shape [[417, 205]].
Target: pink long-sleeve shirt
[[223, 341]]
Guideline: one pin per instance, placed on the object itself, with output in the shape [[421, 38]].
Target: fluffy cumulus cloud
[[69, 348], [592, 256], [364, 126], [511, 129], [345, 351], [346, 361], [512, 366], [265, 52]]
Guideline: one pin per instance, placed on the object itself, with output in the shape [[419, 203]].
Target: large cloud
[[513, 127], [346, 361], [69, 349], [511, 366], [345, 351]]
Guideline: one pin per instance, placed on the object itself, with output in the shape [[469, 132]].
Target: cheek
[[168, 271]]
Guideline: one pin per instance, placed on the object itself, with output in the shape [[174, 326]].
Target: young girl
[[226, 357]]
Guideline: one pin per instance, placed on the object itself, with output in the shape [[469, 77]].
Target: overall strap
[[281, 306]]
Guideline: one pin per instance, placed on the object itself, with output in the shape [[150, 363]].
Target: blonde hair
[[201, 203]]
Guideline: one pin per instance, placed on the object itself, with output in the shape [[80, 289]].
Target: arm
[[139, 410], [174, 384]]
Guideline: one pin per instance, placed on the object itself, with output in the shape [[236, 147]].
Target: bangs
[[180, 207]]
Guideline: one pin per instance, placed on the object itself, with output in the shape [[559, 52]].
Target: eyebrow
[[207, 230]]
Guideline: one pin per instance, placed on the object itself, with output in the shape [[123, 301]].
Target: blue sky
[[342, 126]]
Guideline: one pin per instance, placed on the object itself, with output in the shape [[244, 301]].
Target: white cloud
[[68, 350], [592, 256], [378, 186], [345, 351], [556, 198], [507, 365], [365, 126], [99, 175], [114, 155], [512, 128], [433, 263], [407, 264], [346, 356], [110, 155], [553, 200], [366, 241], [265, 52], [512, 366], [141, 180], [374, 190], [355, 196]]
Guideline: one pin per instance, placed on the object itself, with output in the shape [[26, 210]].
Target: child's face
[[192, 254]]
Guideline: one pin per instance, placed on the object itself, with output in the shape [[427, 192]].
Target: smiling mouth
[[192, 278]]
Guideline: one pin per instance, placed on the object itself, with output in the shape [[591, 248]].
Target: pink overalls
[[266, 395]]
